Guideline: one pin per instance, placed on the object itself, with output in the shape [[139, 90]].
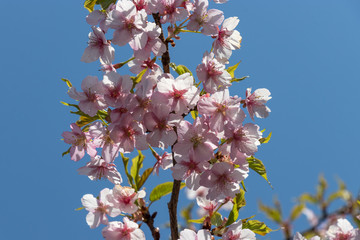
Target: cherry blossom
[[98, 208], [170, 10], [208, 206], [222, 180], [221, 108], [212, 74], [209, 20], [128, 133], [98, 169], [255, 102], [196, 137], [243, 138], [92, 99], [152, 44], [188, 234], [227, 39], [342, 230], [98, 47], [165, 162], [235, 232], [179, 93], [128, 230], [80, 141], [124, 198], [116, 88], [189, 168], [160, 123], [128, 24]]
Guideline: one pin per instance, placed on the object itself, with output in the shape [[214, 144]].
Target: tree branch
[[149, 220]]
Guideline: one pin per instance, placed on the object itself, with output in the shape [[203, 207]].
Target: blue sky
[[306, 53]]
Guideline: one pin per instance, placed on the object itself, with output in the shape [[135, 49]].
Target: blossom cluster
[[150, 110]]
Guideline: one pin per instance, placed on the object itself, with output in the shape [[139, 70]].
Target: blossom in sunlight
[[342, 230], [92, 99], [128, 230], [188, 234], [80, 141], [98, 47], [227, 39], [124, 198], [235, 232], [98, 169], [298, 236], [255, 102], [98, 208]]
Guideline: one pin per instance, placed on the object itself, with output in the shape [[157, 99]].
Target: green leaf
[[307, 197], [358, 202], [129, 177], [263, 130], [272, 213], [80, 208], [194, 114], [137, 164], [340, 194], [232, 69], [257, 165], [216, 219], [161, 190], [144, 177], [257, 227], [200, 220], [321, 187], [296, 211], [85, 120], [137, 79], [105, 3], [267, 139], [89, 5], [66, 152], [180, 69], [243, 186], [239, 79], [67, 82], [186, 212], [239, 202]]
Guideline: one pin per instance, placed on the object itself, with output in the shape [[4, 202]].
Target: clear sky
[[305, 52]]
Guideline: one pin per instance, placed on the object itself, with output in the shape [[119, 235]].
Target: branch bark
[[172, 205]]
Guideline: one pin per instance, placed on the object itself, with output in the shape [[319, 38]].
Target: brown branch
[[149, 220], [172, 205]]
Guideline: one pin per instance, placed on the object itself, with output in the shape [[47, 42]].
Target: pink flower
[[180, 93], [212, 74], [124, 198], [165, 161], [101, 136], [80, 141], [138, 65], [128, 24], [189, 168], [153, 43], [98, 169], [160, 123], [98, 208], [98, 47], [235, 232], [209, 20], [124, 231], [188, 234], [196, 137], [92, 99], [222, 180], [128, 133], [208, 206], [255, 102], [227, 39], [116, 88], [343, 230], [170, 10], [221, 108], [244, 138]]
